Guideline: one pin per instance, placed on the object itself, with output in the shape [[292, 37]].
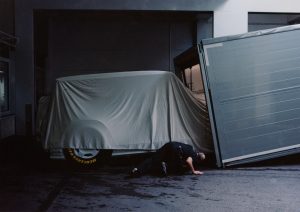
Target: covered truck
[[139, 110]]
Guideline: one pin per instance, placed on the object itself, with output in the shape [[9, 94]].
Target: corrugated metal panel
[[254, 85]]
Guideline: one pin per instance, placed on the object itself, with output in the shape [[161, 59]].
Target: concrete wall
[[230, 17]]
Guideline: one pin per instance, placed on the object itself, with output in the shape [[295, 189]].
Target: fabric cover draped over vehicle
[[125, 110]]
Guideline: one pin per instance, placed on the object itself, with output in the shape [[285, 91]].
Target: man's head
[[200, 156]]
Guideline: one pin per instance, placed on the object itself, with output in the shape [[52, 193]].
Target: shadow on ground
[[26, 153]]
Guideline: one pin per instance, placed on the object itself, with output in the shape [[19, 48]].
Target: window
[[4, 84]]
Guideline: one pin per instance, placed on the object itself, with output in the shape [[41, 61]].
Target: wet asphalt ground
[[29, 181]]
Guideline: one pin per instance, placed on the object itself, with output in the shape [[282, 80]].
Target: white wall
[[232, 16]]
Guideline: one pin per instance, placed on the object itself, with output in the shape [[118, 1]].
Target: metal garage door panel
[[254, 85]]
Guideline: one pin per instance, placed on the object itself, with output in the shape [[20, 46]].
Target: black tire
[[87, 158]]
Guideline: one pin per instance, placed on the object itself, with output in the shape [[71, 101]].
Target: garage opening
[[71, 43]]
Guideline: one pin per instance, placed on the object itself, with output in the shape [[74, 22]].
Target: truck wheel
[[87, 157]]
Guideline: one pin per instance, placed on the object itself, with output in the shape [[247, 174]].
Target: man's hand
[[189, 161], [197, 172]]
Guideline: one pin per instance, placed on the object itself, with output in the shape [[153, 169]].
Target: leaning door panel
[[254, 86]]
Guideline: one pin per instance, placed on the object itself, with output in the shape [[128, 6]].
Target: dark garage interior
[[82, 42]]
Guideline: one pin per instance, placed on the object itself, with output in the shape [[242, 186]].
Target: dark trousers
[[168, 153]]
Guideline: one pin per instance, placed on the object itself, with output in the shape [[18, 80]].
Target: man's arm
[[189, 161]]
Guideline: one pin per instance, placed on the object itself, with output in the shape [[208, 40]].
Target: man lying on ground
[[171, 158]]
